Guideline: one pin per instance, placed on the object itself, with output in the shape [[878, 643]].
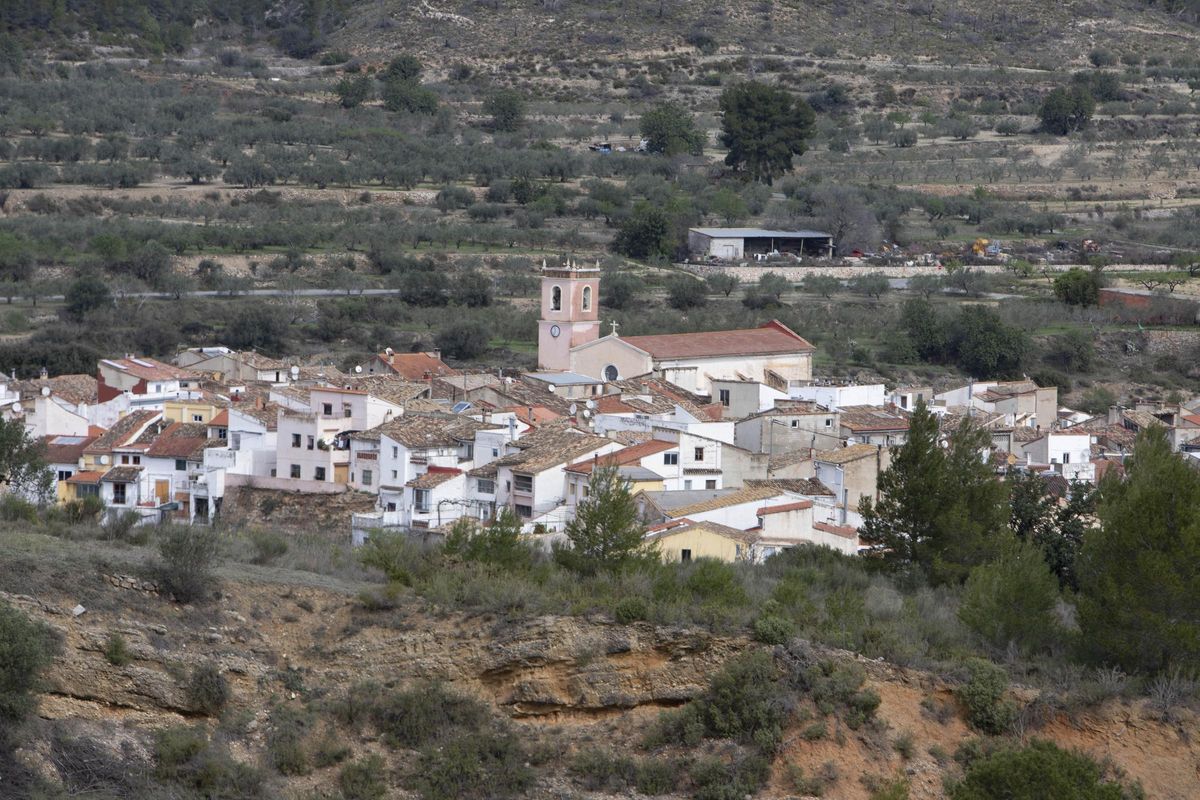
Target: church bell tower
[[570, 313]]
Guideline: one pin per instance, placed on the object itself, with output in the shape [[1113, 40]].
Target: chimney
[[437, 353], [44, 374], [1114, 414]]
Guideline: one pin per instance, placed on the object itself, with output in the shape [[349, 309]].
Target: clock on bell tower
[[570, 312]]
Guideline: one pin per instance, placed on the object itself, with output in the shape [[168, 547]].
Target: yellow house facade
[[683, 540]]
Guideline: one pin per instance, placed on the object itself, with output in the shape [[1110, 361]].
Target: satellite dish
[[17, 409], [551, 388], [358, 369], [45, 391], [295, 371], [573, 409], [590, 404], [104, 460], [587, 414]]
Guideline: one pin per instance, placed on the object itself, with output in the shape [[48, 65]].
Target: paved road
[[242, 293]]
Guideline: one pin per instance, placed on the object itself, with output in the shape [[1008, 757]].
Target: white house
[[1069, 454]]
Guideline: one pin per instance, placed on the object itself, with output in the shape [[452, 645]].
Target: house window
[[295, 440], [685, 555], [180, 465], [486, 486], [395, 451], [137, 459], [222, 433], [63, 474], [670, 459], [523, 483], [495, 452], [829, 423], [327, 409], [367, 477], [556, 299], [469, 448], [311, 442], [295, 471], [118, 494], [699, 454], [421, 501], [235, 441], [795, 423], [525, 512], [687, 485], [587, 298], [723, 395], [197, 418], [904, 401], [395, 474], [586, 490], [571, 488], [87, 490], [710, 484], [319, 474], [124, 459], [1066, 458], [391, 506], [347, 411]]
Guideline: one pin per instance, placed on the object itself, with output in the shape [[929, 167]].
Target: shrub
[[743, 702], [983, 697], [207, 689], [187, 757], [896, 789], [362, 780], [715, 780], [26, 648], [14, 508], [773, 629], [474, 764], [1013, 599], [464, 340], [1038, 770], [600, 770], [424, 714], [285, 742], [268, 546], [631, 609], [116, 651], [837, 688], [188, 555], [653, 777]]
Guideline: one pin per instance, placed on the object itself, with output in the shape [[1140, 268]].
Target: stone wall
[[751, 273]]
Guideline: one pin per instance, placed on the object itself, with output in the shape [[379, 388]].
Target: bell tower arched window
[[587, 298], [556, 299]]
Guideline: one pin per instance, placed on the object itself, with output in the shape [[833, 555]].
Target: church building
[[569, 340]]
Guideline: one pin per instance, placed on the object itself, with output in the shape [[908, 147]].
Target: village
[[733, 449]]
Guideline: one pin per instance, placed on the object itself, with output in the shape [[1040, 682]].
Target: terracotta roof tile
[[747, 494], [871, 418], [179, 440], [799, 505], [628, 455], [844, 455], [839, 530], [431, 430], [74, 389], [122, 475], [810, 487], [436, 476], [416, 366], [773, 338], [149, 369], [676, 526], [123, 431], [65, 449], [548, 446]]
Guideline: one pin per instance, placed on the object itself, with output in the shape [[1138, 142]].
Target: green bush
[[268, 546], [713, 779], [424, 714], [363, 779], [116, 650], [773, 629], [600, 770], [26, 648], [983, 697], [476, 764], [631, 609], [186, 756], [837, 688], [207, 690], [188, 555], [286, 747], [1038, 771], [1012, 600], [655, 777]]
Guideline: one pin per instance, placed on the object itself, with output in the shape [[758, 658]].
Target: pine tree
[[606, 532], [940, 509], [1139, 573], [764, 127]]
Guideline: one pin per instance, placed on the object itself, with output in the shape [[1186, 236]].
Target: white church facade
[[569, 340]]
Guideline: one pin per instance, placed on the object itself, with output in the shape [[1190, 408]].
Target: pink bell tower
[[570, 313]]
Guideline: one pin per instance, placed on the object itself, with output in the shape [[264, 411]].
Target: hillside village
[[733, 448]]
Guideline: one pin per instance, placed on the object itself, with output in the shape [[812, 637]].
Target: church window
[[587, 298], [556, 299], [611, 373]]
